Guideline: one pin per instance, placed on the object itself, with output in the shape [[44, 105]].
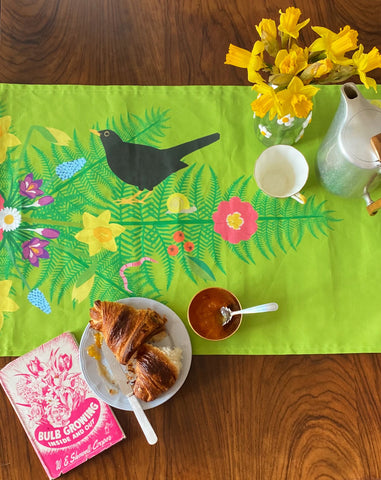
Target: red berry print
[[173, 250], [178, 236], [189, 246]]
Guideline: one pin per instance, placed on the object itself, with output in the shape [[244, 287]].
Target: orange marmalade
[[205, 317]]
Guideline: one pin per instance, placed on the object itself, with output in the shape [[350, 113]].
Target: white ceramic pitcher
[[349, 158]]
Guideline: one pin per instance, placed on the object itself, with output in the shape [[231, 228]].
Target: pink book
[[64, 421]]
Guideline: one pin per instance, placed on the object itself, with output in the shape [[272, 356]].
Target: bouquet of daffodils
[[284, 73]]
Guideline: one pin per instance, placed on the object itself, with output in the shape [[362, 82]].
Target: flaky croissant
[[125, 328], [155, 372]]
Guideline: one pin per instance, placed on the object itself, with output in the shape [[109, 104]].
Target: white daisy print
[[287, 120], [266, 133], [10, 219]]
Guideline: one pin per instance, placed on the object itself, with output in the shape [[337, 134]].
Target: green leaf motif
[[201, 269], [149, 229]]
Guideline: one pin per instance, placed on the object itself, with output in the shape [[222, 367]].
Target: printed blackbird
[[145, 166]]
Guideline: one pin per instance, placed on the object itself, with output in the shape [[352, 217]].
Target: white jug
[[349, 158]]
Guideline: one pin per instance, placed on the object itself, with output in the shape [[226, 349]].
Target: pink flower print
[[36, 413], [63, 363], [34, 249], [235, 220], [58, 415], [41, 202], [35, 367], [30, 188], [46, 232]]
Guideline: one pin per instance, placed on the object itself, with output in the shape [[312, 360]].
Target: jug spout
[[353, 101]]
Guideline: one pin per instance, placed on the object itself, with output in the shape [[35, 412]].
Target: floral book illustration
[[65, 423]]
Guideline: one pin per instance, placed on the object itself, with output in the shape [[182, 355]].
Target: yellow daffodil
[[266, 102], [99, 233], [256, 63], [252, 61], [288, 24], [292, 62], [268, 32], [6, 303], [365, 62], [6, 139], [238, 57], [316, 70], [283, 72], [335, 45], [296, 98]]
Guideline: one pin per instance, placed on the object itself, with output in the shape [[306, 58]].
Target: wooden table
[[243, 417]]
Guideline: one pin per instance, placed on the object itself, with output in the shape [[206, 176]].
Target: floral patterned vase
[[286, 130]]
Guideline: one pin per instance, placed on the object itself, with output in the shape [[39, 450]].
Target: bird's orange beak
[[95, 132]]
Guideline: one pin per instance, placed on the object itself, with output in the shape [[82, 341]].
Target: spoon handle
[[266, 307]]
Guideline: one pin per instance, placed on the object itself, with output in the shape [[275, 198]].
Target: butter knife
[[121, 381]]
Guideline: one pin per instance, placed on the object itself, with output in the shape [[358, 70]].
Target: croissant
[[155, 372], [124, 327]]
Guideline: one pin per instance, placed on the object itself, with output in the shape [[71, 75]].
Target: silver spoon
[[266, 307]]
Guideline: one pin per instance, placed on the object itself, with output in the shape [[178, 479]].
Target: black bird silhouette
[[145, 166]]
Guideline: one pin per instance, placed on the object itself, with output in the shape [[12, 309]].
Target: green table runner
[[76, 228]]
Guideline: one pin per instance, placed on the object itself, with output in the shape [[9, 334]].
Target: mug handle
[[299, 198]]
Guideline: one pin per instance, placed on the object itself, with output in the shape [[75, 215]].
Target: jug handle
[[376, 144], [373, 207]]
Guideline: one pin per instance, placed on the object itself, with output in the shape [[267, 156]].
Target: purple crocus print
[[30, 188], [34, 249]]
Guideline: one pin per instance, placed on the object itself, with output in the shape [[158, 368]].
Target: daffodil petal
[[5, 123], [8, 305], [3, 152], [11, 140]]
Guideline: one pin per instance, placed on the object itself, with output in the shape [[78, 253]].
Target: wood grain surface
[[236, 417]]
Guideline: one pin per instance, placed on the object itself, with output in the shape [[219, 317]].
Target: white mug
[[281, 171]]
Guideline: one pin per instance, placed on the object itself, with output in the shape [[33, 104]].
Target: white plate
[[177, 337]]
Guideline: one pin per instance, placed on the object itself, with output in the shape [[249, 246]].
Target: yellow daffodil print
[[7, 139], [335, 45], [6, 303], [296, 98], [288, 22], [364, 63], [99, 233]]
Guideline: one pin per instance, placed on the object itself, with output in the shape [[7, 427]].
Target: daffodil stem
[[25, 144], [11, 255]]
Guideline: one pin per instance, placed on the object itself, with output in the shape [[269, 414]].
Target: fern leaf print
[[76, 224]]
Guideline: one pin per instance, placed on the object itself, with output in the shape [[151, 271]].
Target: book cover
[[64, 421]]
